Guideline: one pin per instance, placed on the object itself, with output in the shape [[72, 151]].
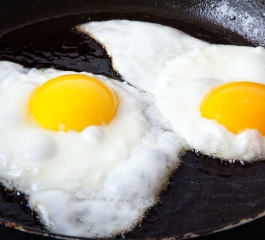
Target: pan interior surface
[[204, 194]]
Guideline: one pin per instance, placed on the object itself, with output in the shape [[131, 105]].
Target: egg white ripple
[[140, 50], [84, 184], [184, 83]]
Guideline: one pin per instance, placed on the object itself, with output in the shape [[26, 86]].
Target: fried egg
[[179, 71], [92, 154], [79, 146], [214, 98], [140, 50]]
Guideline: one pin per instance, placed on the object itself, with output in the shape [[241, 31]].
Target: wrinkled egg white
[[94, 183]]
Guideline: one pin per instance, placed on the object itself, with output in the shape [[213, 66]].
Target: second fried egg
[[214, 98]]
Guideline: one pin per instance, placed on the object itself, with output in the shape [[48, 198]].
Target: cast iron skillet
[[205, 195]]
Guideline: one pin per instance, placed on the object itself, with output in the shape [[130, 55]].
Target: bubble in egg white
[[36, 147], [93, 134]]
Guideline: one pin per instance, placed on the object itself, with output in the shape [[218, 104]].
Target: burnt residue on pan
[[203, 195]]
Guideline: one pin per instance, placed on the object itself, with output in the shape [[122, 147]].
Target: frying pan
[[204, 196]]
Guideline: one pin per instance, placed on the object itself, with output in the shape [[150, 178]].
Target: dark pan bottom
[[204, 194]]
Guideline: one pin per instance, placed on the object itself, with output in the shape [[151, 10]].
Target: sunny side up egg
[[214, 98], [79, 146], [82, 177], [188, 87]]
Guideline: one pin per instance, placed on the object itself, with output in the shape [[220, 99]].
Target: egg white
[[84, 183], [184, 83], [140, 50], [178, 71]]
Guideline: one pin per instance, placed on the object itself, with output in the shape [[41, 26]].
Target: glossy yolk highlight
[[237, 106], [73, 102]]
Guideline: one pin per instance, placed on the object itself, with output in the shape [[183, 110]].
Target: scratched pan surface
[[205, 195]]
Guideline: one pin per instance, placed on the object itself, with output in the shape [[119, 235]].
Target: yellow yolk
[[237, 106], [73, 102]]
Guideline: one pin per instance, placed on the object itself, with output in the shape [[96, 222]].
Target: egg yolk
[[73, 102], [237, 106]]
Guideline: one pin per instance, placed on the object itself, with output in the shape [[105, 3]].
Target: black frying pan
[[204, 196]]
